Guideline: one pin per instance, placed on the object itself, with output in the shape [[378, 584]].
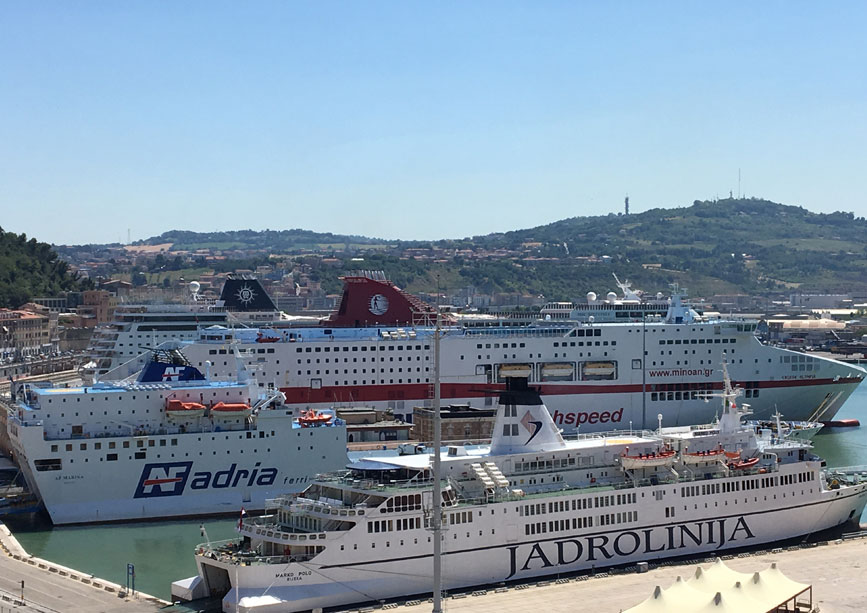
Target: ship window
[[52, 464], [111, 457]]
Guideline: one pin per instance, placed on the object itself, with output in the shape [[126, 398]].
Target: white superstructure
[[376, 350], [592, 376], [138, 327], [532, 504], [166, 443]]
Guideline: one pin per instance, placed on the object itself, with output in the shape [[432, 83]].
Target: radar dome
[[659, 295], [591, 296], [195, 286], [611, 296]]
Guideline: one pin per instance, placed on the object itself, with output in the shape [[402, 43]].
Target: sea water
[[162, 551]]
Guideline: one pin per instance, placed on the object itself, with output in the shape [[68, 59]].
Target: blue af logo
[[166, 479]]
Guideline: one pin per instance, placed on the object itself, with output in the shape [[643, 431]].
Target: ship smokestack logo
[[378, 304], [527, 421], [246, 294], [172, 373]]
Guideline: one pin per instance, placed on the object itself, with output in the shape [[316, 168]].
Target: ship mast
[[436, 511]]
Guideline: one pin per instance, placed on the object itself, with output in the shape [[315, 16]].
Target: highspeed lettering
[[587, 417]]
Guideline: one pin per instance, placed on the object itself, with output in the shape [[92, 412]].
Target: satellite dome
[[195, 286], [611, 296], [659, 295], [591, 296]]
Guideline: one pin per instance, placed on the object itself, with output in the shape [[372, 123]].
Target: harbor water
[[161, 552]]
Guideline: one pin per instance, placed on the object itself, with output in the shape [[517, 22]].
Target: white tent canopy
[[719, 589]]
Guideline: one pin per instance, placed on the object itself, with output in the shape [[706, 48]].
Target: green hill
[[30, 269], [726, 246]]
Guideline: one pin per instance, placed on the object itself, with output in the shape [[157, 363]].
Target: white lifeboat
[[699, 457], [558, 370], [665, 457], [598, 369], [515, 370]]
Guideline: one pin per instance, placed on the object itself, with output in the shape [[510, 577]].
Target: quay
[[51, 588], [834, 568]]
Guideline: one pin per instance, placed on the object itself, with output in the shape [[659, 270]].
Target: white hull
[[497, 549], [170, 480], [352, 367]]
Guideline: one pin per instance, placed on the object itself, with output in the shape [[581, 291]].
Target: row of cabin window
[[410, 502], [112, 444], [391, 525], [576, 504], [701, 395], [529, 466], [363, 360], [577, 523], [225, 352], [698, 341], [347, 349]]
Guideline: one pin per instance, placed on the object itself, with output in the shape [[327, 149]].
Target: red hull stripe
[[160, 481], [423, 391]]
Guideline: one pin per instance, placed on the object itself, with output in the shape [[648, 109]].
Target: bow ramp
[[523, 423]]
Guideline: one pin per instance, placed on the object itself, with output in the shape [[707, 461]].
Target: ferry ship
[[376, 350], [243, 302], [168, 442], [633, 306], [531, 505]]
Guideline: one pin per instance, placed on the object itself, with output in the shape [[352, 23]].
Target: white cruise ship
[[137, 327], [168, 442], [376, 350], [533, 504]]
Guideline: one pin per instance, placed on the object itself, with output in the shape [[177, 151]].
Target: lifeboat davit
[[230, 409], [744, 464], [314, 418], [647, 460], [184, 410], [703, 456]]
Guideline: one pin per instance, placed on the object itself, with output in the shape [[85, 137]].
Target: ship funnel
[[523, 423]]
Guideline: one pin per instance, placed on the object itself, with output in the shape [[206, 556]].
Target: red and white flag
[[241, 519]]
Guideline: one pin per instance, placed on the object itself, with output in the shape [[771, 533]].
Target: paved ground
[[49, 588], [834, 570]]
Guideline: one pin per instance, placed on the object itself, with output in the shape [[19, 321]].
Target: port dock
[[834, 568], [51, 588]]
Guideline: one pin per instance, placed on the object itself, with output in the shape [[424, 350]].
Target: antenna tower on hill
[[626, 202]]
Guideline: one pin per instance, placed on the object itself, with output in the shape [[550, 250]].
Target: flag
[[241, 519]]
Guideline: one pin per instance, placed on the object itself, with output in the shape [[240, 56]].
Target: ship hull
[[358, 367], [194, 476], [472, 560]]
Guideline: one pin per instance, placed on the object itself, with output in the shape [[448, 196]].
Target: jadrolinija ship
[[376, 350], [532, 504], [167, 442]]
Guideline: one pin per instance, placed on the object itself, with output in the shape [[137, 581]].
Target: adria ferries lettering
[[605, 547], [170, 478]]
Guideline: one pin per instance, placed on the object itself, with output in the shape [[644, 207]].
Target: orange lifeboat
[[743, 465], [184, 410], [314, 418], [230, 409]]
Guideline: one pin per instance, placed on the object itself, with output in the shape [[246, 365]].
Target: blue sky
[[419, 120]]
